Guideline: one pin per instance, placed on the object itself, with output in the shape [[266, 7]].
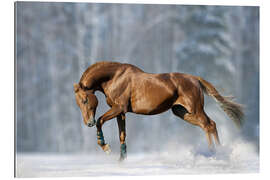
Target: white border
[[7, 93], [183, 2], [7, 86]]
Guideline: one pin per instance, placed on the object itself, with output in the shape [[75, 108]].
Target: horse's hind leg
[[214, 132], [209, 140], [195, 119], [209, 126], [201, 120]]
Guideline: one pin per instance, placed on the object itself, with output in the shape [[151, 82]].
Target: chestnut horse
[[129, 89]]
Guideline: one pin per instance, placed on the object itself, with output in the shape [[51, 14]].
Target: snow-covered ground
[[239, 158]]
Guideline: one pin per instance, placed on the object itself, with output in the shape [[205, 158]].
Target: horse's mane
[[97, 66]]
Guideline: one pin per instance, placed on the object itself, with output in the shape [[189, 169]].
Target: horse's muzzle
[[91, 122]]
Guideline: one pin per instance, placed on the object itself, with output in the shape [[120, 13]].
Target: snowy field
[[240, 159]]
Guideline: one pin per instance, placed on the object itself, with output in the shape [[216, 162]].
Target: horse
[[129, 89]]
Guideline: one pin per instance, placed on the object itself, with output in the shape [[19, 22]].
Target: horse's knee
[[122, 137]]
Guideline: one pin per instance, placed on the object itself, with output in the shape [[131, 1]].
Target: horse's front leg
[[112, 113], [121, 120]]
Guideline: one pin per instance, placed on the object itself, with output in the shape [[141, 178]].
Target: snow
[[237, 158]]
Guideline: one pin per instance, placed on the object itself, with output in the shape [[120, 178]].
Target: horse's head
[[87, 102]]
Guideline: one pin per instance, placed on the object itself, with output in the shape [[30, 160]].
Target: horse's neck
[[95, 78]]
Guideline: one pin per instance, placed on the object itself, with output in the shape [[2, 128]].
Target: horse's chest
[[117, 94]]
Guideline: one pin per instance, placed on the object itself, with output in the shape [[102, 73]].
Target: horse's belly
[[152, 102]]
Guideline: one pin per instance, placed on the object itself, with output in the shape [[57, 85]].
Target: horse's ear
[[76, 87]]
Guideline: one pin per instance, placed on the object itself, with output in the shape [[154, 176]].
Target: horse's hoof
[[107, 149], [212, 150], [121, 159]]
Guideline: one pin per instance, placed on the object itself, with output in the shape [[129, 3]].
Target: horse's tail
[[232, 109]]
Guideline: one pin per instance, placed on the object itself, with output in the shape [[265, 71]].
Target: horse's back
[[146, 93]]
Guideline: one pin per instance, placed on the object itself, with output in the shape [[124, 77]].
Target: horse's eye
[[85, 101]]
